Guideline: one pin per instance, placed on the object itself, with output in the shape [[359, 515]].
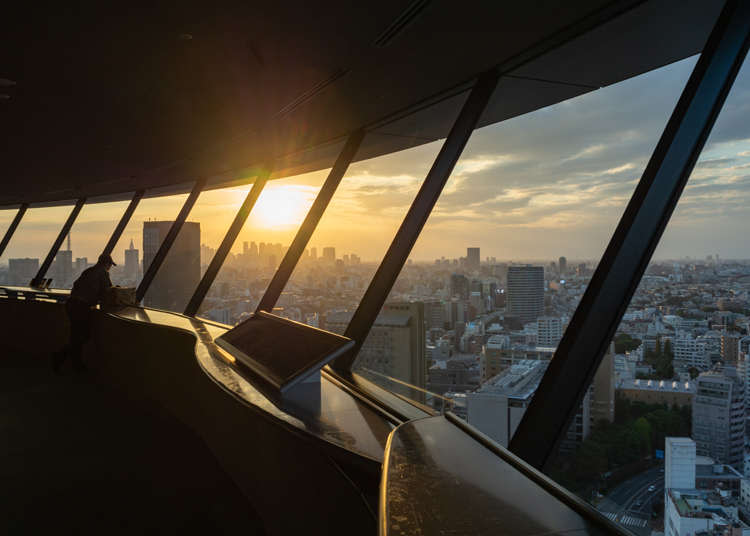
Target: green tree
[[625, 343], [642, 430]]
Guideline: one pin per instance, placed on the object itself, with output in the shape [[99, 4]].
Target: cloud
[[715, 162], [619, 169], [587, 152]]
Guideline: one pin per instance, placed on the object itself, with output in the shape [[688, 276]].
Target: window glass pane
[[129, 251], [260, 246], [32, 241], [353, 236], [193, 248], [6, 217], [86, 240], [667, 408], [509, 249]]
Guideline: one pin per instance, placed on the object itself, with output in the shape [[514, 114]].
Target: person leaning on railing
[[88, 290]]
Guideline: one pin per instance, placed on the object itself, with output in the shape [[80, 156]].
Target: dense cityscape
[[475, 336]]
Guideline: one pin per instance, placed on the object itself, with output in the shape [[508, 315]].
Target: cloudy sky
[[549, 183]]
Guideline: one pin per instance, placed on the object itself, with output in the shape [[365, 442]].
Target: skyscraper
[[181, 271], [525, 292], [472, 258], [562, 265], [396, 343], [719, 416], [329, 254]]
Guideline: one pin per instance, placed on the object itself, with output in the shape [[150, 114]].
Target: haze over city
[[552, 182]]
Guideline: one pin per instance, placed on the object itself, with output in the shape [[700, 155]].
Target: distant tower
[[131, 263], [472, 258], [562, 264]]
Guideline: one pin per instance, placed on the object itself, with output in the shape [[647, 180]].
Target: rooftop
[[519, 381], [658, 385]]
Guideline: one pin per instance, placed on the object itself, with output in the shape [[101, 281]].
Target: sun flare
[[281, 206]]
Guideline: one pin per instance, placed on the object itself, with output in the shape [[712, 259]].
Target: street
[[630, 503]]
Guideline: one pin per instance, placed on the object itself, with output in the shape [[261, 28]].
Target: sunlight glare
[[282, 205]]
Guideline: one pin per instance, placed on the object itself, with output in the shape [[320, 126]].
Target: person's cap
[[106, 259]]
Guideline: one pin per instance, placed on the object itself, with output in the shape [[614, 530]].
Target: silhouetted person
[[88, 290]]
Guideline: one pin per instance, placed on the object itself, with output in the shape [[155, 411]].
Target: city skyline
[[549, 183]]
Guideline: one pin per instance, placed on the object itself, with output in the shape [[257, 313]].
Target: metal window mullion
[[13, 226], [117, 233], [226, 245], [620, 270], [407, 234], [293, 254], [166, 244], [58, 242]]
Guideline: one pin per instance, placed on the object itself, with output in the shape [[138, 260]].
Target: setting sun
[[282, 205]]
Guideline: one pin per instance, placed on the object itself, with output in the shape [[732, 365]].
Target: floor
[[76, 459]]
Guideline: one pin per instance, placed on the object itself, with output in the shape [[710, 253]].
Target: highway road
[[630, 503]]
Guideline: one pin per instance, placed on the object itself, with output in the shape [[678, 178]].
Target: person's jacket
[[91, 287]]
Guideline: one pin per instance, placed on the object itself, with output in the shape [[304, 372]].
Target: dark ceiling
[[101, 100]]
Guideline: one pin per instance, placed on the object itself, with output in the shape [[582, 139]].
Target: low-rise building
[[671, 393]]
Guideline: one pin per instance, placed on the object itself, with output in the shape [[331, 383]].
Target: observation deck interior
[[168, 432]]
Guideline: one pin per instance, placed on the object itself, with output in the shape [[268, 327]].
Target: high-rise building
[[131, 263], [679, 463], [434, 314], [525, 292], [562, 265], [719, 416], [313, 254], [730, 344], [61, 270], [549, 330], [180, 273], [459, 286], [21, 271], [603, 401], [329, 254], [472, 258], [396, 343], [498, 406], [690, 352]]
